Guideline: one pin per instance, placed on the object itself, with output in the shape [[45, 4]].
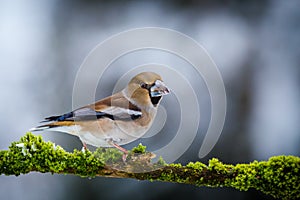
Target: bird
[[117, 119]]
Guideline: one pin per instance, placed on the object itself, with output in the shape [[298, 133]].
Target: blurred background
[[255, 44]]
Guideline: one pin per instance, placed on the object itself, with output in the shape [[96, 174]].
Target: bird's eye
[[144, 85]]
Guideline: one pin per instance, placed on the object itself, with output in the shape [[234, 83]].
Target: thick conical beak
[[159, 89]]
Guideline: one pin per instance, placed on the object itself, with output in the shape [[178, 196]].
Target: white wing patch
[[84, 112], [121, 112]]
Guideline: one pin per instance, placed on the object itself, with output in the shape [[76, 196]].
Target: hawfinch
[[115, 120]]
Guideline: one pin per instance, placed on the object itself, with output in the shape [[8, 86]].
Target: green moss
[[197, 166], [139, 149], [171, 176], [219, 167], [108, 155], [31, 153], [161, 162], [279, 176], [175, 165]]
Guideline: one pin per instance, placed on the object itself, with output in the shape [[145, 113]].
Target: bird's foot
[[125, 152], [124, 157]]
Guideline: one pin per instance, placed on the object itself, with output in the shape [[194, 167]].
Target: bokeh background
[[255, 44]]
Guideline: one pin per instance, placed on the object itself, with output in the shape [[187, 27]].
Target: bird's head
[[146, 89]]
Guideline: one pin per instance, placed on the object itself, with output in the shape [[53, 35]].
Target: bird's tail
[[40, 128], [50, 122], [56, 123]]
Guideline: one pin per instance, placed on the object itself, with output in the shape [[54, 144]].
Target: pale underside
[[103, 131]]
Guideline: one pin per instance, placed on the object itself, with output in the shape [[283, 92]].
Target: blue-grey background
[[255, 44]]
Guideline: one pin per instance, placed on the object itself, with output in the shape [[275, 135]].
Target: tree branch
[[279, 176]]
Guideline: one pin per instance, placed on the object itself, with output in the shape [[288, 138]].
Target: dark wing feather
[[85, 114], [115, 107]]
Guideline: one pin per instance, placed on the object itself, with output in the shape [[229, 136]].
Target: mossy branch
[[279, 176]]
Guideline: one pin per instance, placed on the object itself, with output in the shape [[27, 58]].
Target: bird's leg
[[125, 152]]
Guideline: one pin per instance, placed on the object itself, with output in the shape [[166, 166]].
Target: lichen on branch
[[279, 176]]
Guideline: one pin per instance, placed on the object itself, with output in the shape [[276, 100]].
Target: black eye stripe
[[154, 100]]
